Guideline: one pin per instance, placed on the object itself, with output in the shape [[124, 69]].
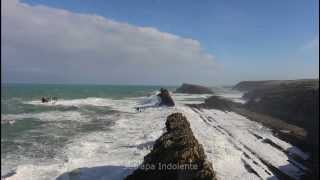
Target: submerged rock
[[193, 89], [165, 98], [176, 155]]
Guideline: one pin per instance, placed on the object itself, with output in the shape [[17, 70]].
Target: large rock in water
[[193, 89], [176, 155], [165, 98]]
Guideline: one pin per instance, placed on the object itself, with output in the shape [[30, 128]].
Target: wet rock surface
[[176, 155], [193, 89]]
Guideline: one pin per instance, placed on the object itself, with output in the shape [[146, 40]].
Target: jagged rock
[[178, 149], [165, 98], [193, 89]]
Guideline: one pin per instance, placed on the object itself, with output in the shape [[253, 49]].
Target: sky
[[158, 42]]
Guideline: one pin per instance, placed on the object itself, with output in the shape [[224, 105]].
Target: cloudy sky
[[158, 41]]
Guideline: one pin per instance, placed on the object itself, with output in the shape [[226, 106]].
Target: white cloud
[[42, 44]]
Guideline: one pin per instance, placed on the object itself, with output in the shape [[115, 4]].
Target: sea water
[[95, 132]]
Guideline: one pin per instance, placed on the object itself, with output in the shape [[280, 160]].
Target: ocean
[[95, 132]]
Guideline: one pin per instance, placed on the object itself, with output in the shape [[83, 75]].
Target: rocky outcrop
[[176, 155], [165, 98], [193, 89]]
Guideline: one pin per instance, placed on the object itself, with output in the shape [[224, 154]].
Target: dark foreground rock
[[193, 89], [176, 155], [165, 98]]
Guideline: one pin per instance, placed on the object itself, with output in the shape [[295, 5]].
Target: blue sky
[[249, 39], [248, 27]]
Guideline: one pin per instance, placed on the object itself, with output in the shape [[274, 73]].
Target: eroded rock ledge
[[176, 155]]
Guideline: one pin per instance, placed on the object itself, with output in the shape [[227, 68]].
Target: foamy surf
[[46, 116], [237, 147], [117, 151]]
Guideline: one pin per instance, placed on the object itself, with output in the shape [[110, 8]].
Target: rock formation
[[176, 155], [193, 89], [165, 98]]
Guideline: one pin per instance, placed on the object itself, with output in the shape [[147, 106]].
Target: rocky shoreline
[[264, 99], [289, 108]]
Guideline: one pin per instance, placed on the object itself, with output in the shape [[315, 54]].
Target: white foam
[[113, 153], [121, 147], [124, 105], [182, 98], [45, 116], [232, 137]]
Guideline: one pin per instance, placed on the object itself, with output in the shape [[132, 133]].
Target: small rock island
[[193, 89]]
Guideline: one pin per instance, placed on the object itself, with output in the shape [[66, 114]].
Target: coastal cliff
[[193, 89], [176, 155], [248, 86], [295, 102]]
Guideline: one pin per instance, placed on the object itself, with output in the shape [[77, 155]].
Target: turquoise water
[[35, 132], [12, 94]]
